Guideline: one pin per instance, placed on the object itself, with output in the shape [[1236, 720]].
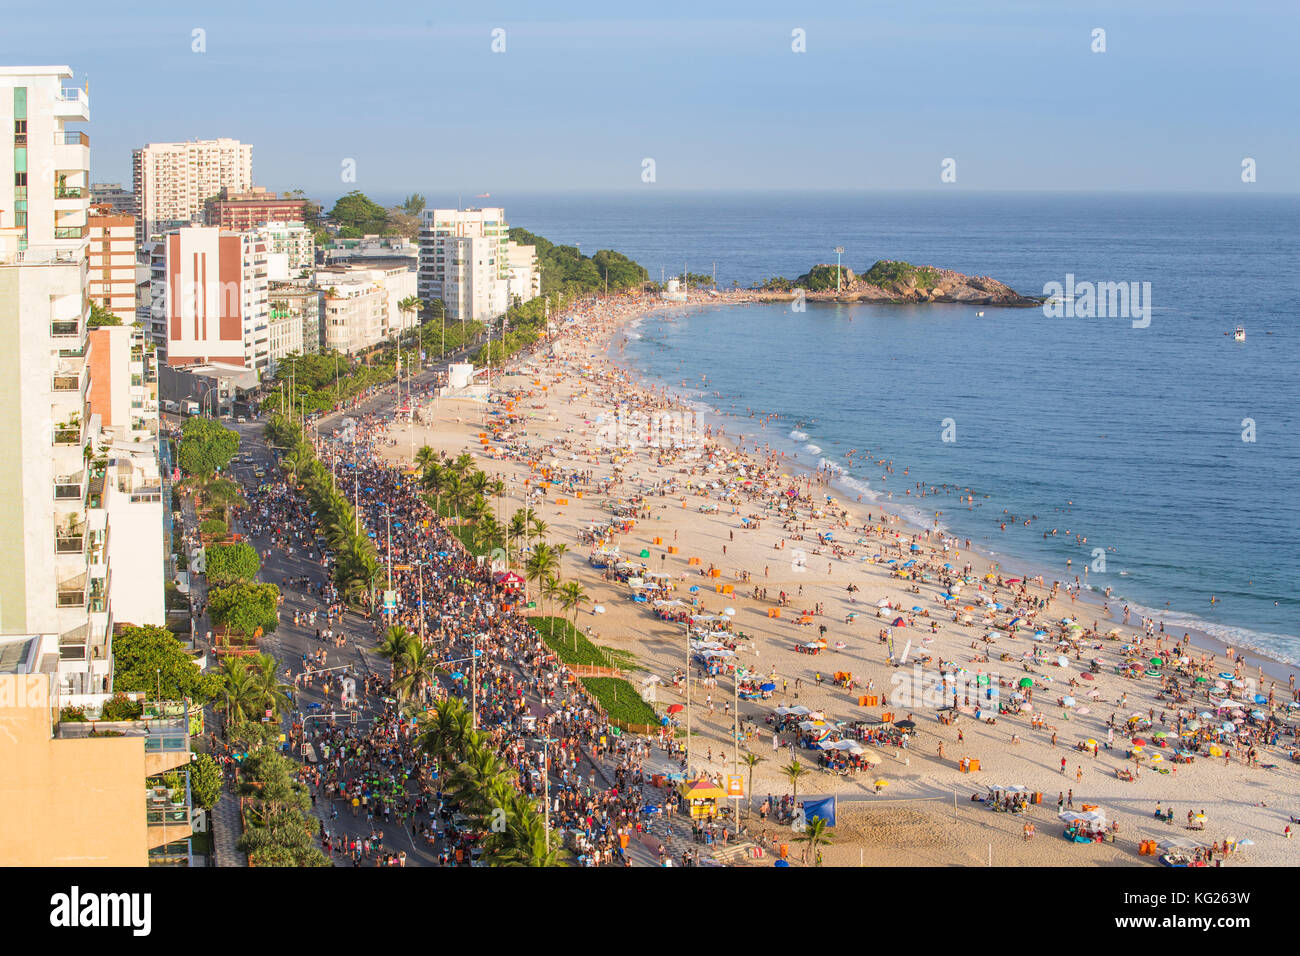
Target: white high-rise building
[[464, 260], [53, 546], [172, 180]]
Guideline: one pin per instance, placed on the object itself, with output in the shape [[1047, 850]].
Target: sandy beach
[[706, 511]]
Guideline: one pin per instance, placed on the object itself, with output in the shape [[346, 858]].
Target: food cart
[[700, 798]]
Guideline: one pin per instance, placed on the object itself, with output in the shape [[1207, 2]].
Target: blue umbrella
[[767, 687], [694, 588], [781, 863]]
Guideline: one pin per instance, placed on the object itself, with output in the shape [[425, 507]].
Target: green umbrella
[[1156, 662], [1026, 682]]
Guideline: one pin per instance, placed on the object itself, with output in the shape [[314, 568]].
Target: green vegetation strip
[[619, 698]]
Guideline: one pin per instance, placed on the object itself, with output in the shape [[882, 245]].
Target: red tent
[[508, 578]]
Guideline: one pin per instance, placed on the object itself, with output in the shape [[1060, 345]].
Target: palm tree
[[524, 840], [419, 665], [273, 692], [449, 731], [793, 771], [814, 833], [551, 591], [476, 509], [487, 533], [560, 551], [240, 694], [398, 647], [425, 457], [572, 596], [751, 760]]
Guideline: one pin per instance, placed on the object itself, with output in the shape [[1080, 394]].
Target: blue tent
[[823, 807]]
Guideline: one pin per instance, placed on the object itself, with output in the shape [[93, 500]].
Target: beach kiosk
[[700, 798]]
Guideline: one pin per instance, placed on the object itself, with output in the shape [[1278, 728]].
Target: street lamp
[[839, 251]]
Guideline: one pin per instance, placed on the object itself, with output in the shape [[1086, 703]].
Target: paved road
[[290, 642]]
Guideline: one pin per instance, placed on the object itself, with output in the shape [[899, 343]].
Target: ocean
[[1173, 449]]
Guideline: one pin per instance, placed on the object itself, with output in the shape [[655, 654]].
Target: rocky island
[[897, 282]]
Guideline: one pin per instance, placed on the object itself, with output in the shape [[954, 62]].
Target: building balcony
[[69, 487], [72, 104], [65, 437], [65, 328], [66, 382], [65, 543]]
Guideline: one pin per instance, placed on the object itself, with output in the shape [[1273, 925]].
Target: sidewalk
[[226, 831]]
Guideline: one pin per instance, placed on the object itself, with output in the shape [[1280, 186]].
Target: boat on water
[[1239, 334]]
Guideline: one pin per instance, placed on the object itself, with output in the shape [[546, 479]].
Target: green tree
[[226, 563], [205, 780], [244, 607], [815, 834], [413, 205], [206, 447], [148, 658], [356, 211], [100, 316], [751, 760], [793, 771]]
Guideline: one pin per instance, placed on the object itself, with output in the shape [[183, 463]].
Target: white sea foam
[[813, 449], [798, 435]]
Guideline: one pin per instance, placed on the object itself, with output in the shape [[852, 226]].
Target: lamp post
[[839, 251]]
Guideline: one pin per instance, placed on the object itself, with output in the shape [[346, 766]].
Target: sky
[[714, 94]]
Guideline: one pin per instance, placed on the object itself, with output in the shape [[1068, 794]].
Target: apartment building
[[171, 181], [290, 249], [464, 260], [350, 321], [295, 301], [79, 791], [211, 290], [241, 211], [353, 310], [120, 201], [53, 568], [123, 388], [525, 274], [112, 262]]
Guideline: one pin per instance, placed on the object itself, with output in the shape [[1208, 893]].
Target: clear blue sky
[[711, 91]]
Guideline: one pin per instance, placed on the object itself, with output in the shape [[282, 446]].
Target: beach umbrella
[[767, 687], [1156, 662], [1160, 735], [917, 609], [1257, 714], [1226, 675], [729, 611], [881, 783], [1139, 742], [1227, 727], [1202, 679], [899, 622], [1026, 682], [1062, 660], [883, 603], [676, 708], [1193, 725], [1068, 701], [904, 724]]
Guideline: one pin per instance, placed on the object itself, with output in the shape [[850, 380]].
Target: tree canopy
[[566, 269], [149, 658], [206, 447], [231, 562], [245, 606], [358, 212]]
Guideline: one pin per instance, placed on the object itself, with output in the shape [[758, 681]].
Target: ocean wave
[[813, 449], [1279, 647], [798, 435], [825, 464]]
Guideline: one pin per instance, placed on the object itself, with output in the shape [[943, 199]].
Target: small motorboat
[[1239, 334]]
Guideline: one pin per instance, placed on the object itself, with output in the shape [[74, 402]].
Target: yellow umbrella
[[882, 783]]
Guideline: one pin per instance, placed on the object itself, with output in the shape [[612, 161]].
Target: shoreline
[[1277, 668], [564, 396]]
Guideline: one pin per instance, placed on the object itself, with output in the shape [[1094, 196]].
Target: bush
[[569, 644], [621, 701], [205, 781], [245, 607], [226, 563], [120, 707], [213, 528], [74, 714]]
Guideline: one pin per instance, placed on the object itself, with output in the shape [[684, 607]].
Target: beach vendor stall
[[700, 797], [1084, 826]]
